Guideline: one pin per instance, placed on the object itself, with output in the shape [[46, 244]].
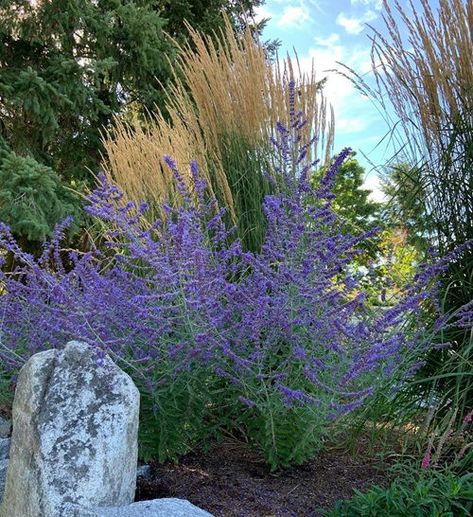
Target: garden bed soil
[[231, 481]]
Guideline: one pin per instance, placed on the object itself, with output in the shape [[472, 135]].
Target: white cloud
[[373, 4], [351, 124], [328, 41], [373, 183], [325, 55], [354, 114], [261, 13], [294, 16], [355, 24], [315, 4]]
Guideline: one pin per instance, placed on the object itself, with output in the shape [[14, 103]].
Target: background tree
[[406, 207], [206, 15], [390, 257], [352, 202]]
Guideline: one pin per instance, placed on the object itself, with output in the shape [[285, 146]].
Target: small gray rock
[[5, 427], [168, 507], [3, 476], [143, 471], [4, 448]]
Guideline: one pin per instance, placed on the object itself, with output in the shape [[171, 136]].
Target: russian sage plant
[[276, 344]]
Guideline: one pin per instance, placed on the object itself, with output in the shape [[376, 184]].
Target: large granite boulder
[[74, 439]]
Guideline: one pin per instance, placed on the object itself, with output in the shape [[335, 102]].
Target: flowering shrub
[[275, 344]]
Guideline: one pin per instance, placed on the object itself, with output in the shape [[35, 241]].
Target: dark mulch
[[231, 481]]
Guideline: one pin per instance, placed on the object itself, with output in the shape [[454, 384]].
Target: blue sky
[[327, 31]]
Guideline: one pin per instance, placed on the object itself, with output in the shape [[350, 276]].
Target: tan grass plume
[[224, 85]]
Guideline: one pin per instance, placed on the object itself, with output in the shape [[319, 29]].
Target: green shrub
[[425, 493], [176, 417], [285, 436]]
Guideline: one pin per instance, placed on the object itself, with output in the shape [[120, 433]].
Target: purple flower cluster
[[288, 326]]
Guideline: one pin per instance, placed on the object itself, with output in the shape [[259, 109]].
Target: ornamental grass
[[221, 112], [423, 71]]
